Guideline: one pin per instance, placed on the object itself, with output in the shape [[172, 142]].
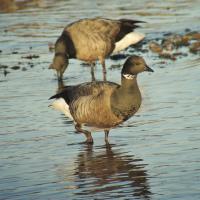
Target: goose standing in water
[[103, 104], [93, 39]]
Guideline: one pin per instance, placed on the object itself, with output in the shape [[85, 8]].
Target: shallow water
[[154, 155]]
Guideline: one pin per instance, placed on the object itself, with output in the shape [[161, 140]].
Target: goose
[[102, 104], [93, 39]]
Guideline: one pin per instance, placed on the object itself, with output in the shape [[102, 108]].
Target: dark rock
[[30, 56], [15, 67], [24, 68], [180, 54], [187, 30], [14, 52], [119, 56], [167, 56], [3, 66]]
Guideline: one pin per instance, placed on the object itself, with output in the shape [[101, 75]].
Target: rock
[[155, 47], [168, 45], [167, 56], [195, 47], [193, 35], [5, 72], [187, 30]]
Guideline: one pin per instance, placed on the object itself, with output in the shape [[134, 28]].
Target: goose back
[[95, 38]]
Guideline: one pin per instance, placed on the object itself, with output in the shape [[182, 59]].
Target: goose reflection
[[111, 172]]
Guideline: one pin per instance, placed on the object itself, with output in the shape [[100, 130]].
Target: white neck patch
[[129, 76]]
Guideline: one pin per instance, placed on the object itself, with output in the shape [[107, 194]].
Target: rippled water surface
[[154, 155]]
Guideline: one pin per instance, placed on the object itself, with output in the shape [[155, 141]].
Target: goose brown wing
[[91, 89], [89, 103], [114, 29], [106, 27]]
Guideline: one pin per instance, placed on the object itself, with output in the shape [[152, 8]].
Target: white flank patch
[[127, 40], [61, 105]]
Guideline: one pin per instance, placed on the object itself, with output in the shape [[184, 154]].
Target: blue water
[[154, 155]]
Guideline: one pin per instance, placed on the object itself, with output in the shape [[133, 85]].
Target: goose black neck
[[69, 45], [129, 83]]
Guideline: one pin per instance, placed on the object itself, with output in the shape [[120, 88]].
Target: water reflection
[[110, 170], [62, 84], [13, 5]]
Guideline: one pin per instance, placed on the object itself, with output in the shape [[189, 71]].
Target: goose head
[[60, 60], [135, 65]]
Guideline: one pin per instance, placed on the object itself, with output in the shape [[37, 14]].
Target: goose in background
[[102, 104], [93, 39]]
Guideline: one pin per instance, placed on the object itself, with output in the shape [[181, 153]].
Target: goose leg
[[106, 136], [86, 133], [92, 71], [61, 86], [59, 75], [102, 61]]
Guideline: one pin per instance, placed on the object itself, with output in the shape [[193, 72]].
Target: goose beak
[[148, 69]]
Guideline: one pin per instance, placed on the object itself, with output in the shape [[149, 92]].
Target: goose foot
[[89, 140], [88, 135]]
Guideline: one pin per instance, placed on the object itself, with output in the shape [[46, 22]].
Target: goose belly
[[98, 115]]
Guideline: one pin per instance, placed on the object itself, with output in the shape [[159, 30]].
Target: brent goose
[[93, 39], [102, 104]]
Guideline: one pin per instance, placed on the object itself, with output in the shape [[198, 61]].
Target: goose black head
[[134, 65], [60, 60]]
